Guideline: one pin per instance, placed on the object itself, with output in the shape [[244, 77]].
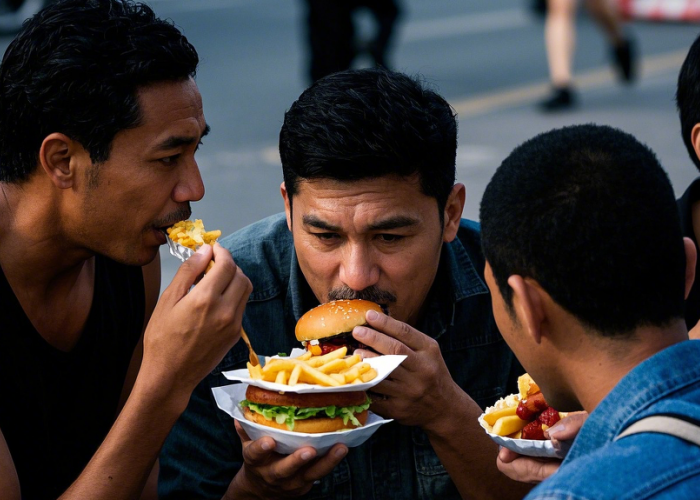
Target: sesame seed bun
[[333, 318]]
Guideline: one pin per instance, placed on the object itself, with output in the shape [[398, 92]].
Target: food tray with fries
[[228, 399], [527, 447], [319, 376]]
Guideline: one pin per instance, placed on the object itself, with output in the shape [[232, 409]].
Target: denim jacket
[[203, 451], [640, 466]]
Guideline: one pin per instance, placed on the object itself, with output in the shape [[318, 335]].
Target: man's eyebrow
[[397, 222], [177, 141], [314, 221]]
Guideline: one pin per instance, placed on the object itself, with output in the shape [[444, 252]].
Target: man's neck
[[609, 360], [53, 282]]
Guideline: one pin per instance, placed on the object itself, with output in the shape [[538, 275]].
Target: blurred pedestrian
[[331, 35], [560, 40]]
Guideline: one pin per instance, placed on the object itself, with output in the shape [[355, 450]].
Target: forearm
[[121, 466], [468, 454]]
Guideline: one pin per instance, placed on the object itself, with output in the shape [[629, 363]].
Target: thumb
[[190, 271]]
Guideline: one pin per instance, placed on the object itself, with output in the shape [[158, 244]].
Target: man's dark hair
[[75, 68], [688, 97], [589, 213], [369, 123]]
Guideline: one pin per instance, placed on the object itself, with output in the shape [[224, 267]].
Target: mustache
[[372, 293], [181, 213]]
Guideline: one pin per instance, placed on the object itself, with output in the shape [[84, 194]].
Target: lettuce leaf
[[289, 414]]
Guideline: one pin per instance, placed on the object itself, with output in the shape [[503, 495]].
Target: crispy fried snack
[[192, 234]]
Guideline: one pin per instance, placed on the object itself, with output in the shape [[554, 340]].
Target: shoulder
[[629, 468], [264, 251]]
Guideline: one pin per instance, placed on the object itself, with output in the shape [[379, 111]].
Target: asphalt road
[[485, 56]]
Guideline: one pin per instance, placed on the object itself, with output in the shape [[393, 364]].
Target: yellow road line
[[597, 78]]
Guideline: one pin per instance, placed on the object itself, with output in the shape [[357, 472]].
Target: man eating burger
[[372, 212]]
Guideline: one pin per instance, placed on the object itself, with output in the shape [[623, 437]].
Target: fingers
[[525, 469], [568, 427], [395, 337], [190, 271], [325, 464], [507, 456]]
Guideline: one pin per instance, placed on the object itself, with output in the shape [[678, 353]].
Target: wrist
[[240, 488]]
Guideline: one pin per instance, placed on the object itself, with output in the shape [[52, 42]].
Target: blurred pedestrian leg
[[332, 38], [560, 42]]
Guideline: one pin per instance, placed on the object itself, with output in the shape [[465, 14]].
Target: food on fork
[[192, 234]]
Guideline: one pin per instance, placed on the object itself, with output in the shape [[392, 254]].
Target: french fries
[[329, 370]]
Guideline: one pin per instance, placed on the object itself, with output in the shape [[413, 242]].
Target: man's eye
[[170, 160], [325, 236], [390, 237]]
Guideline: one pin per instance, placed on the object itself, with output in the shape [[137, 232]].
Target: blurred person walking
[[331, 35], [560, 41]]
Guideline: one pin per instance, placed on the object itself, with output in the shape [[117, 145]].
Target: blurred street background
[[486, 57]]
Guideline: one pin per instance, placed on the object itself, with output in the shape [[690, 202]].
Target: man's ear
[[287, 204], [453, 212], [691, 255], [55, 155], [528, 305], [695, 139]]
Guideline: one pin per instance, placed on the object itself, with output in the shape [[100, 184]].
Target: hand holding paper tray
[[228, 397]]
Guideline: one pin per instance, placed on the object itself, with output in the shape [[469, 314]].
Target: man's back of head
[[75, 68], [589, 213]]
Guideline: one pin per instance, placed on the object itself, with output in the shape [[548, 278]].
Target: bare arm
[[9, 483], [415, 392], [187, 335]]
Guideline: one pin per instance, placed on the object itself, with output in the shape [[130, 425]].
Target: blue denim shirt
[[203, 451], [642, 465]]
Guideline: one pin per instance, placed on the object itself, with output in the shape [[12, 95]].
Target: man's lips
[[161, 236]]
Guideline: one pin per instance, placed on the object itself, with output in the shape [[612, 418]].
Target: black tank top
[[57, 407]]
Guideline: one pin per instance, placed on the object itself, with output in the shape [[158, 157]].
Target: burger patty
[[344, 339], [305, 400]]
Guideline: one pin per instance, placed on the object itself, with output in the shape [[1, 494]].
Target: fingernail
[[306, 455], [201, 249], [372, 315], [340, 453], [555, 430], [360, 332], [266, 445]]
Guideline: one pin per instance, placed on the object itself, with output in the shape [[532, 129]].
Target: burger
[[329, 326], [310, 412]]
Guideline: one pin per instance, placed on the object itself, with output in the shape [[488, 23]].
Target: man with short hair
[[688, 103], [372, 211], [100, 118], [588, 283]]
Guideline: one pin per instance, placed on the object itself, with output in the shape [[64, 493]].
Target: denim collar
[[651, 381]]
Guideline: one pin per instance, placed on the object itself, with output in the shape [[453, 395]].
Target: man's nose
[[358, 270], [190, 187]]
